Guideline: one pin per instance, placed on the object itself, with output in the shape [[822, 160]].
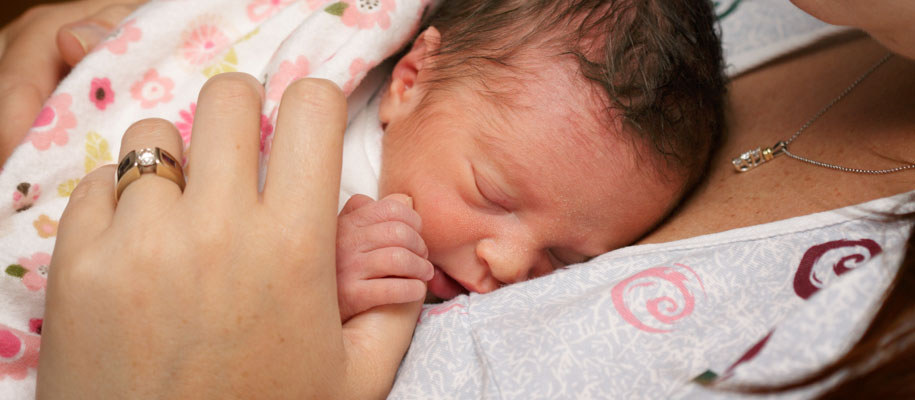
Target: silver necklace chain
[[753, 158]]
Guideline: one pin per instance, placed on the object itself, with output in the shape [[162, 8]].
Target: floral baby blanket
[[154, 65]]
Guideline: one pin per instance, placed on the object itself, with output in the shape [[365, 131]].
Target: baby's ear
[[410, 70]]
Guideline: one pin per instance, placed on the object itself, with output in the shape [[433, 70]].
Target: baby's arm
[[381, 259]]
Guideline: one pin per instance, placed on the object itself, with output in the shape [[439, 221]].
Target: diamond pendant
[[753, 158]]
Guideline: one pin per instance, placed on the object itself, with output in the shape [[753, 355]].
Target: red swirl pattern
[[809, 279], [667, 297]]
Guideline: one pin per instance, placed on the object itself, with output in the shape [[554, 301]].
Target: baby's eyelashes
[[564, 257], [554, 260], [491, 194]]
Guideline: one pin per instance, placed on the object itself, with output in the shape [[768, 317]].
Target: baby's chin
[[442, 287]]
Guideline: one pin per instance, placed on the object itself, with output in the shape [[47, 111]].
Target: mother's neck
[[872, 128]]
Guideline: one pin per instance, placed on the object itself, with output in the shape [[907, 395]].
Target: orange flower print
[[152, 89], [367, 13], [53, 123], [18, 353], [126, 33], [45, 226], [203, 41]]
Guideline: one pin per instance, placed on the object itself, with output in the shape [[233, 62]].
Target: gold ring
[[154, 161]]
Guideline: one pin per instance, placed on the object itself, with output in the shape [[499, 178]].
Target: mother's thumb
[[76, 39]]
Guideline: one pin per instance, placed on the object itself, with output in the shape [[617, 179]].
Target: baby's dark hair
[[658, 63]]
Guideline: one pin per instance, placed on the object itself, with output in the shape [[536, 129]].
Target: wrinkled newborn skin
[[511, 193]]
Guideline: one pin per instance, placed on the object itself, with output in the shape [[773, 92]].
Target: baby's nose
[[508, 261]]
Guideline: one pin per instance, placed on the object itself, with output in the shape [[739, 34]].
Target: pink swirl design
[[666, 285], [809, 279], [442, 309]]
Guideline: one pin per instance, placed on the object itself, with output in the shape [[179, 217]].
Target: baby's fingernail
[[402, 198], [88, 35], [431, 273]]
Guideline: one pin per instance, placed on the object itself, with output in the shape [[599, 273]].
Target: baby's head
[[534, 134]]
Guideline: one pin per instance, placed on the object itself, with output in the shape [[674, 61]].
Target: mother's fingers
[[226, 139], [90, 209], [149, 189], [307, 150], [76, 39]]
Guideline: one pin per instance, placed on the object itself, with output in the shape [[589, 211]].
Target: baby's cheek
[[447, 224]]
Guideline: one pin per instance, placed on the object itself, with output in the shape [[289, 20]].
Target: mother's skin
[[872, 128]]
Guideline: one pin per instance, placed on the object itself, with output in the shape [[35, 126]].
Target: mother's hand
[[37, 49], [220, 291]]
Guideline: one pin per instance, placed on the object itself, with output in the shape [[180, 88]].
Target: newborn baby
[[524, 136]]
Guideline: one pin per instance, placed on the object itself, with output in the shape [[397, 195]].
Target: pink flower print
[[187, 122], [423, 6], [120, 38], [100, 93], [202, 42], [53, 123], [35, 270], [258, 10], [314, 4], [25, 195], [287, 73], [35, 325], [152, 89], [357, 71], [366, 13], [18, 353], [45, 226], [266, 131]]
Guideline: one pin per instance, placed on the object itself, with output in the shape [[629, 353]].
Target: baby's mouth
[[444, 286]]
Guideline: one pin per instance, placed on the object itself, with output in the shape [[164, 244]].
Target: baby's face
[[507, 196]]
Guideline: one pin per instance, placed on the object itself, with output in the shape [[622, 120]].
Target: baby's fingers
[[396, 262], [386, 234], [356, 202], [395, 207], [379, 292], [365, 295]]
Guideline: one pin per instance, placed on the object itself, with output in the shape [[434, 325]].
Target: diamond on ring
[[146, 158], [150, 160]]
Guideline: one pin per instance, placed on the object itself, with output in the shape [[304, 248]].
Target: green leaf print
[[16, 270], [336, 8]]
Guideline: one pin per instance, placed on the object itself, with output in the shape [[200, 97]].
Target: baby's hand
[[381, 259]]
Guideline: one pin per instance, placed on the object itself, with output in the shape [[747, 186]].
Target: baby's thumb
[[401, 198], [76, 39]]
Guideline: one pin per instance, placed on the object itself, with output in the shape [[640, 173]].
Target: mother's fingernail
[[88, 35]]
